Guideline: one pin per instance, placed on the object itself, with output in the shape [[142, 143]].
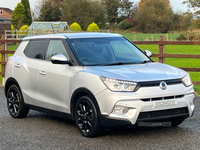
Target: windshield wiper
[[146, 61], [118, 63]]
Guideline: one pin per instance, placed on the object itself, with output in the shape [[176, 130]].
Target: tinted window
[[55, 47], [37, 49]]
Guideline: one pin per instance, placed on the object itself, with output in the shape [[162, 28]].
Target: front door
[[54, 80]]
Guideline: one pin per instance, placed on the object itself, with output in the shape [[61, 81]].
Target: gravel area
[[42, 131]]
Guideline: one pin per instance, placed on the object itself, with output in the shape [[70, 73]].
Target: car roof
[[74, 35]]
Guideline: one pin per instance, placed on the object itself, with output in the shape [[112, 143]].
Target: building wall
[[4, 25], [5, 14]]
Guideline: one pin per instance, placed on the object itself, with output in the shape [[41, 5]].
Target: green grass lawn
[[150, 36], [12, 47]]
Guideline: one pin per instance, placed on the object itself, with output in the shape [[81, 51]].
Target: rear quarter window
[[36, 49]]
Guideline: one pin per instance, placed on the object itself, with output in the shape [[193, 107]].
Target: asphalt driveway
[[42, 131]]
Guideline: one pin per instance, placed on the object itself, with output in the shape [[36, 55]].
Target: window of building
[[1, 12]]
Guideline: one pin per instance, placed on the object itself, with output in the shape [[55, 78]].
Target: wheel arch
[[78, 94], [9, 82]]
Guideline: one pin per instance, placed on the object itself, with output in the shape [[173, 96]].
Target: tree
[[18, 16], [126, 8], [27, 11], [187, 20], [83, 12], [50, 11], [111, 7], [194, 4], [154, 16], [116, 9], [177, 20], [144, 1]]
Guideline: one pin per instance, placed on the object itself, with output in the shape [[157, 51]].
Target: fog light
[[192, 102], [120, 110]]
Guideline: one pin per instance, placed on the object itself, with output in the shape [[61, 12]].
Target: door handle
[[42, 72], [17, 65]]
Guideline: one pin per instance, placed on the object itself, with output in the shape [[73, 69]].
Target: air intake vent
[[162, 98], [163, 113]]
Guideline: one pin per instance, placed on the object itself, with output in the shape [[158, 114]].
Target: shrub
[[134, 22], [12, 28], [188, 36], [93, 27], [24, 27], [124, 25], [75, 27]]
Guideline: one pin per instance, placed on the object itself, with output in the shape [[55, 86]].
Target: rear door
[[54, 79], [26, 72]]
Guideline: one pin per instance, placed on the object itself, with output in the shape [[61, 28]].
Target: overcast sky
[[176, 4]]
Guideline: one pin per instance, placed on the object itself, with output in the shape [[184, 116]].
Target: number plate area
[[154, 124], [164, 103]]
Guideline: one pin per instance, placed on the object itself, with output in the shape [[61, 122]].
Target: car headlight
[[118, 85], [187, 80]]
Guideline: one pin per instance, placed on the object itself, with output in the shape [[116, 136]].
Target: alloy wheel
[[85, 117], [13, 101]]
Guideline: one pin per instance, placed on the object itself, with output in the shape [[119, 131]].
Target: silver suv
[[97, 79]]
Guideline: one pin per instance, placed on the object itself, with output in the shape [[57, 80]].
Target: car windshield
[[107, 51]]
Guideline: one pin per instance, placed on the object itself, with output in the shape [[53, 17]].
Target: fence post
[[3, 60], [6, 46], [161, 49], [16, 34]]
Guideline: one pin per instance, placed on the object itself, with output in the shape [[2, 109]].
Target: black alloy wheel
[[15, 103], [86, 117]]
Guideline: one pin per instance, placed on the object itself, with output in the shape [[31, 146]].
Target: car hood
[[138, 72]]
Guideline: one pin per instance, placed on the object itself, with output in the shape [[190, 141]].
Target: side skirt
[[51, 112]]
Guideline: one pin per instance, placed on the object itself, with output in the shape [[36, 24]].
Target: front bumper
[[177, 107]]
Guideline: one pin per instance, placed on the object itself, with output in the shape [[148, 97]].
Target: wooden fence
[[161, 54], [4, 52]]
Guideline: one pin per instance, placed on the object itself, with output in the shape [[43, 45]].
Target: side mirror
[[60, 59], [148, 53]]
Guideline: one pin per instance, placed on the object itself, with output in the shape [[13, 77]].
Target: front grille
[[163, 113], [157, 83], [162, 98]]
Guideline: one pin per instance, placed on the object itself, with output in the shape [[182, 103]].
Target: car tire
[[177, 122], [15, 103], [86, 117]]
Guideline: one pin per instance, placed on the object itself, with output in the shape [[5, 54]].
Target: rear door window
[[36, 49]]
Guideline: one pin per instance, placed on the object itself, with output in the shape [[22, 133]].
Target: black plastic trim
[[107, 121], [7, 82], [184, 116], [50, 112], [88, 93], [69, 50]]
